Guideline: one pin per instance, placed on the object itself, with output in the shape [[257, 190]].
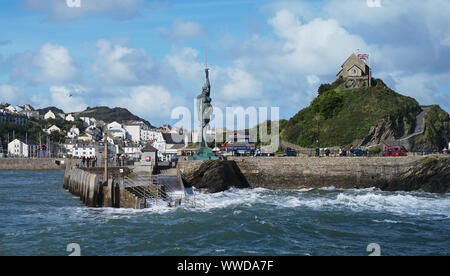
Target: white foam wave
[[414, 204], [410, 204]]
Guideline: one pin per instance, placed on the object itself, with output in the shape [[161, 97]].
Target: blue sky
[[148, 56]]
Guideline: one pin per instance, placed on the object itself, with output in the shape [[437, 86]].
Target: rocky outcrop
[[431, 175], [216, 176], [387, 129]]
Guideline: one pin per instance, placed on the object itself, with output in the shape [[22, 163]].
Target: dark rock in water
[[216, 176], [432, 175]]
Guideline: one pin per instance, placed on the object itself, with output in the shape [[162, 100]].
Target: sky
[[149, 56]]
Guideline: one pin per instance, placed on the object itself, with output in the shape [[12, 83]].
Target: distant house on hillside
[[355, 71], [11, 109], [49, 115], [52, 129], [73, 133], [70, 118], [88, 121]]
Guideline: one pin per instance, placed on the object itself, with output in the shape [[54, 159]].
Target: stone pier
[[89, 185], [298, 173]]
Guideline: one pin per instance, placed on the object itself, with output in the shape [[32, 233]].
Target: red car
[[396, 151]]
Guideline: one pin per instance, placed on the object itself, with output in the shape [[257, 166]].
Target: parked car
[[357, 152], [290, 152], [396, 151]]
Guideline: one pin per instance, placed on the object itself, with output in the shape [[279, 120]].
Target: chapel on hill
[[355, 71]]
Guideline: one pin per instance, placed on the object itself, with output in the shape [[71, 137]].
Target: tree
[[324, 87]]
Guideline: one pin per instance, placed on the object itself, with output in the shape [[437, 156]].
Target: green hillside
[[55, 110], [348, 115], [110, 115]]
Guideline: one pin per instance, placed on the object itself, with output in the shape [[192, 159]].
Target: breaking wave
[[372, 200]]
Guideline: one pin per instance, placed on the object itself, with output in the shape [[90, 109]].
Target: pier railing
[[153, 192]]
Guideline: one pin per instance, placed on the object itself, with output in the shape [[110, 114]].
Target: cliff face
[[387, 129], [431, 175]]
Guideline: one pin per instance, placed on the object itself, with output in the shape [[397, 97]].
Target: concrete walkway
[[420, 124]]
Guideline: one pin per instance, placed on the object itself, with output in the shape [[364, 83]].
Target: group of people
[[326, 151], [117, 160], [89, 161]]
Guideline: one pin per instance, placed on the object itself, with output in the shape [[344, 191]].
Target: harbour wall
[[298, 173], [88, 184], [29, 164]]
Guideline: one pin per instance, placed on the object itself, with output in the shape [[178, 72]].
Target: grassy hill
[[110, 115], [346, 116], [55, 110]]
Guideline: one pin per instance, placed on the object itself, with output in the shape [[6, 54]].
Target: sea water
[[39, 217]]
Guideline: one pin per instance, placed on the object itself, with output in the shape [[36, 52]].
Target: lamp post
[[317, 117], [105, 141]]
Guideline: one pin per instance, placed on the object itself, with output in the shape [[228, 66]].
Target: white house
[[70, 118], [84, 150], [11, 109], [116, 131], [88, 121], [73, 133], [52, 129], [114, 125], [19, 148], [168, 146], [27, 107], [49, 115], [151, 135], [134, 132], [133, 150]]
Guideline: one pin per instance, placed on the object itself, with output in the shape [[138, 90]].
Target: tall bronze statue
[[204, 109]]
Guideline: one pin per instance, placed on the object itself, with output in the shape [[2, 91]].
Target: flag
[[363, 56]]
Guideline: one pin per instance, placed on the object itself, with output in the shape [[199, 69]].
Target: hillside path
[[420, 124]]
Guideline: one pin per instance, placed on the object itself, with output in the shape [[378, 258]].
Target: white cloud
[[51, 64], [182, 29], [316, 47], [185, 62], [58, 10], [117, 64], [153, 102], [55, 64], [69, 99], [12, 95], [423, 87], [313, 80], [237, 84]]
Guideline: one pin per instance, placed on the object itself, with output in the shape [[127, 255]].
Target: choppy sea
[[39, 217]]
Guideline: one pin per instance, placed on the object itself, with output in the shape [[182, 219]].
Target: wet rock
[[432, 175], [216, 176]]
